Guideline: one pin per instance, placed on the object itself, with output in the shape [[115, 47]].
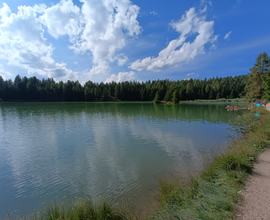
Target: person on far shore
[[265, 104]]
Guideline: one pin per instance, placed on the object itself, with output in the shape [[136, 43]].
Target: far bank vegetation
[[33, 89], [252, 86]]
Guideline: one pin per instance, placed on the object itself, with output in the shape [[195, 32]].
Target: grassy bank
[[214, 195], [241, 100], [83, 209], [221, 100]]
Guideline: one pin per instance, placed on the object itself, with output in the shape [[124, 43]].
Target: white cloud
[[190, 23], [153, 13], [121, 77], [22, 43], [5, 12], [205, 2], [204, 9], [190, 74], [227, 35], [101, 68], [5, 74], [100, 26], [122, 60], [63, 19], [107, 24]]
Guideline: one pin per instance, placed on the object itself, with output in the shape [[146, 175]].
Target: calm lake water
[[64, 151]]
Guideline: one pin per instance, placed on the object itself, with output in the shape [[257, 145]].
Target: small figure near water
[[230, 106], [235, 108]]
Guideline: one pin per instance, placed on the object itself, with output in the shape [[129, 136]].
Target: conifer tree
[[258, 72], [266, 86], [175, 98], [157, 98], [1, 87]]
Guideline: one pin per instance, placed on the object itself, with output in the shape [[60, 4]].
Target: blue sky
[[119, 40]]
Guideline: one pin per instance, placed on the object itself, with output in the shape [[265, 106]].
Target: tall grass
[[216, 193], [83, 209]]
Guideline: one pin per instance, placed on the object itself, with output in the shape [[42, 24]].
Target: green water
[[64, 151]]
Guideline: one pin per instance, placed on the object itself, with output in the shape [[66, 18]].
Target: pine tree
[[231, 94], [260, 70], [211, 95], [105, 95], [175, 98], [1, 87], [157, 98], [266, 86]]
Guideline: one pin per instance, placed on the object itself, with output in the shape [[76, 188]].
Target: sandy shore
[[256, 196]]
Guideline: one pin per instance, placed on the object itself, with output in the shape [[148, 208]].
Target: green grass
[[222, 100], [216, 193], [83, 209]]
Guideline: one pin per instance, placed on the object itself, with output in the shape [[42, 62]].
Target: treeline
[[33, 89], [258, 83]]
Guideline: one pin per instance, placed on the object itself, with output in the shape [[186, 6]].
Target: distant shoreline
[[117, 101]]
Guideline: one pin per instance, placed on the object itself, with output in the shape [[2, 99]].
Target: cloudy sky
[[119, 40]]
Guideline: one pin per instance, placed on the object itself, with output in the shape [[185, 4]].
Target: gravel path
[[256, 196], [268, 106]]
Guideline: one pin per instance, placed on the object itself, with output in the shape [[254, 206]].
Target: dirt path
[[256, 196], [268, 106]]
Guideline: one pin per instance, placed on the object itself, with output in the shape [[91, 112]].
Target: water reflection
[[52, 151]]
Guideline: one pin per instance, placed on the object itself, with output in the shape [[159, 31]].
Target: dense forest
[[258, 82], [255, 85], [33, 89]]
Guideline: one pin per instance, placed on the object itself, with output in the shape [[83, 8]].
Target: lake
[[63, 151]]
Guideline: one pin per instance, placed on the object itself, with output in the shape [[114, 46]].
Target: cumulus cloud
[[23, 45], [102, 68], [106, 24], [100, 26], [5, 12], [122, 60], [227, 35], [63, 18], [121, 77], [190, 24]]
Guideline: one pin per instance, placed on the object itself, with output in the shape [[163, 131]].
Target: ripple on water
[[55, 151]]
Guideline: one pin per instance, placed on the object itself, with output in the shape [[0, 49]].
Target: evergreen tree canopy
[[33, 89], [260, 71]]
